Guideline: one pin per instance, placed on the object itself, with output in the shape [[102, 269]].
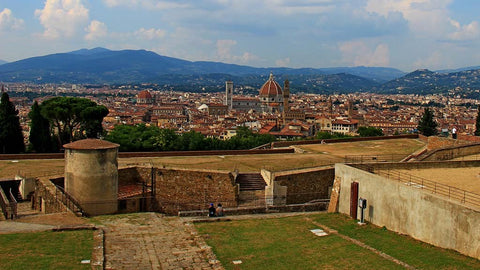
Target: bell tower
[[228, 94]]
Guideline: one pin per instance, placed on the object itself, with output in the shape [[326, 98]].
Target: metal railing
[[4, 204], [457, 194], [374, 158], [13, 205], [68, 201]]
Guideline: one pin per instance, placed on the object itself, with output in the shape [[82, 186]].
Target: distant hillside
[[428, 82], [2, 62], [100, 65]]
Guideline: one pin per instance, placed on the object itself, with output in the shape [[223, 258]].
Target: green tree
[[74, 118], [477, 122], [427, 125], [11, 136], [369, 132], [40, 135]]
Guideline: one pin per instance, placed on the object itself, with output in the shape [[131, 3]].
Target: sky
[[403, 34]]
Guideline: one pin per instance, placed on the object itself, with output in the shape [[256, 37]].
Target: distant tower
[[228, 94], [286, 94], [350, 108], [3, 88], [330, 106]]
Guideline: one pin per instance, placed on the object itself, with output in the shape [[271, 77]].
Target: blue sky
[[404, 34]]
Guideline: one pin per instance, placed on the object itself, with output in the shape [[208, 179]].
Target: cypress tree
[[11, 136], [477, 123], [427, 126], [40, 138]]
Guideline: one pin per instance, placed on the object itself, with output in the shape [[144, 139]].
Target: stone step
[[251, 181]]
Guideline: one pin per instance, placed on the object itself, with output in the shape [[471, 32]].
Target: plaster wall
[[91, 177], [409, 210]]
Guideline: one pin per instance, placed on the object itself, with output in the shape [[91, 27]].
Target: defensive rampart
[[408, 209]]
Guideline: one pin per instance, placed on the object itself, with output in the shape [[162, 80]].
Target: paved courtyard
[[152, 241]]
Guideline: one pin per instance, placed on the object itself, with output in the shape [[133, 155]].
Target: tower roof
[[90, 144], [271, 88]]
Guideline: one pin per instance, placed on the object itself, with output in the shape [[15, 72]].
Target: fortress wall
[[305, 185], [183, 190], [190, 190], [417, 165], [405, 209], [46, 198], [454, 152]]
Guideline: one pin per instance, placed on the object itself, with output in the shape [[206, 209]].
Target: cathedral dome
[[270, 88], [144, 95]]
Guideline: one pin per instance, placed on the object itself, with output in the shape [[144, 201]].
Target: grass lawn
[[46, 250], [287, 243]]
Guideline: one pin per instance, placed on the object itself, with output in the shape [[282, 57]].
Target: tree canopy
[[40, 138], [369, 131], [427, 125], [150, 138], [11, 136], [74, 118]]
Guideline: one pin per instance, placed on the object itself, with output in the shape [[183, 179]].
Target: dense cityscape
[[209, 113]]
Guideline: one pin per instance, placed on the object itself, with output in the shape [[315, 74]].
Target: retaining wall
[[408, 210]]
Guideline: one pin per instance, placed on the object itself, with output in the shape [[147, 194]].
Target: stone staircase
[[252, 189], [250, 181]]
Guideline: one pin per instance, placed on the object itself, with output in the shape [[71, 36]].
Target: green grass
[[287, 243], [46, 250], [413, 252]]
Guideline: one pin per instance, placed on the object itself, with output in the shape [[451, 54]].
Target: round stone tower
[[91, 175]]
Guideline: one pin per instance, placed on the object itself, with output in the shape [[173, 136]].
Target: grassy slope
[[287, 243]]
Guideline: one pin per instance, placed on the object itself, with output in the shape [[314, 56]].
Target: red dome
[[144, 95], [271, 88]]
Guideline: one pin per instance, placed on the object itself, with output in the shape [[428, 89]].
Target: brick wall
[[306, 185]]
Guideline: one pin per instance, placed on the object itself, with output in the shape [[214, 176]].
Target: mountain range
[[103, 66], [2, 62]]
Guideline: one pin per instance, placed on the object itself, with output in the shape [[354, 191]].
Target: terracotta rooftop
[[90, 144]]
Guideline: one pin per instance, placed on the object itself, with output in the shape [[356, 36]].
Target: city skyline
[[404, 34]]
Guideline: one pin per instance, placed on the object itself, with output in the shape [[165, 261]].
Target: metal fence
[[457, 194], [68, 201], [374, 158]]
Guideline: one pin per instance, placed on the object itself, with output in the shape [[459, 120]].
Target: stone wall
[[408, 210], [46, 196], [183, 190], [300, 186], [189, 190], [453, 152]]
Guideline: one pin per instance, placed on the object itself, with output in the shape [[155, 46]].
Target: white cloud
[[435, 59], [358, 53], [425, 17], [62, 18], [96, 30], [224, 52], [283, 62], [8, 21], [149, 4], [150, 34], [465, 32]]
